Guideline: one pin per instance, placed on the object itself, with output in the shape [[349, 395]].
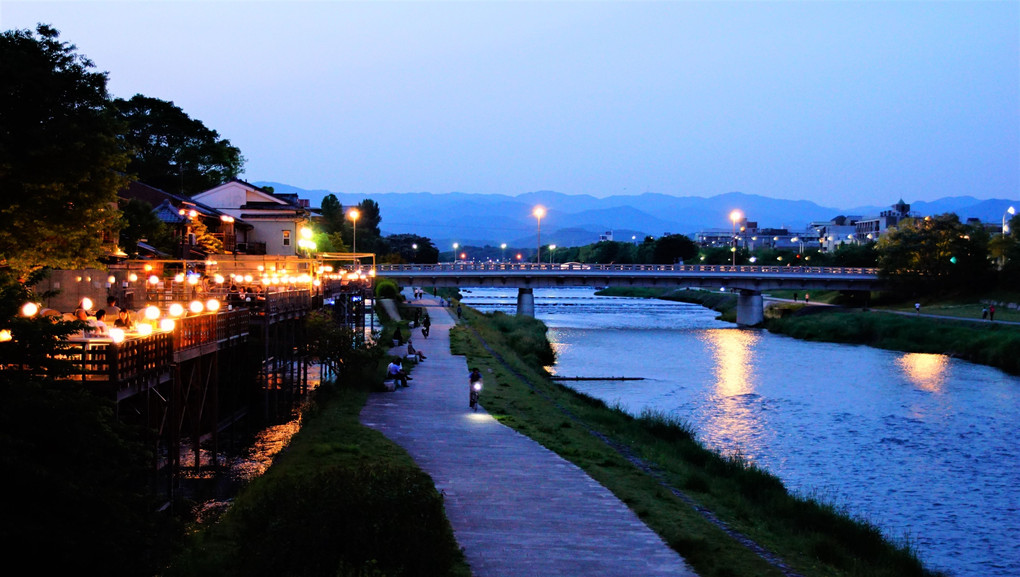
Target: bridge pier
[[525, 302], [750, 308]]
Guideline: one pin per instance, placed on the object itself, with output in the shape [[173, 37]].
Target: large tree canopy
[[61, 163], [934, 254], [174, 152]]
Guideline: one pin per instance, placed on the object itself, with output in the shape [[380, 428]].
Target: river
[[923, 446]]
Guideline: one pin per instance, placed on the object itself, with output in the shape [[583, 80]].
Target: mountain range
[[574, 220]]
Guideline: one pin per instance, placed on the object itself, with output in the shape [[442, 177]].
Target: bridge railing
[[621, 268]]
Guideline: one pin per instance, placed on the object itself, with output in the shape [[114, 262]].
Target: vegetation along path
[[516, 508]]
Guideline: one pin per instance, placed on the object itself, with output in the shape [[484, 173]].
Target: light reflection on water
[[921, 445]]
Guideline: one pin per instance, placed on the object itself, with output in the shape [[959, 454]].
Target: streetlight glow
[[539, 212], [1005, 226], [354, 214], [734, 217]]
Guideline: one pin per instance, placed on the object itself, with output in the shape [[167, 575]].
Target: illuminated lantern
[[167, 325], [117, 335], [212, 305], [176, 309], [144, 329], [29, 309], [152, 312], [196, 307]]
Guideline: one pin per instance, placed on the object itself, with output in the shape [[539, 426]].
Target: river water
[[923, 446]]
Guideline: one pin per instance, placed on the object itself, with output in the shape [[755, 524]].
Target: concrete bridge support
[[525, 302], [750, 308]]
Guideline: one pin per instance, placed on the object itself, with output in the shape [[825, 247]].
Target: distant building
[[608, 235], [873, 227]]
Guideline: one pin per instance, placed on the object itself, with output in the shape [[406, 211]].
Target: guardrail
[[621, 268]]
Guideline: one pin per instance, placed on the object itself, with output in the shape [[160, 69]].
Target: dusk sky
[[841, 103]]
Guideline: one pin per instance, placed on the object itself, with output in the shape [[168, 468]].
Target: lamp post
[[552, 247], [502, 254], [354, 214], [539, 212], [456, 245], [1005, 227], [734, 217]]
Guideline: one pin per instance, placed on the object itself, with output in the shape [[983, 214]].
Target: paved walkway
[[516, 508]]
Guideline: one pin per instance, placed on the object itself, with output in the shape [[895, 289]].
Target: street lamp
[[354, 214], [734, 217], [552, 247], [1005, 227], [539, 212], [502, 254], [456, 245]]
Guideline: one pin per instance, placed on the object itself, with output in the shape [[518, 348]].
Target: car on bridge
[[575, 266]]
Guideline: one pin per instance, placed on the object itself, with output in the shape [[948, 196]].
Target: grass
[[655, 465], [340, 501]]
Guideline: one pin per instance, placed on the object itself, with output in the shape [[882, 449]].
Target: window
[[286, 238]]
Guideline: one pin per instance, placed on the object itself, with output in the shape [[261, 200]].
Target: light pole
[[502, 255], [734, 217], [456, 245], [354, 214], [1005, 227], [552, 247], [539, 212]]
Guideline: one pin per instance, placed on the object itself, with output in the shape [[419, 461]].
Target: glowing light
[[5, 335], [29, 309], [247, 278], [148, 268], [179, 277], [86, 303], [218, 279], [176, 310], [152, 312], [212, 305], [196, 307], [193, 279], [133, 277], [144, 329], [926, 371], [117, 335], [306, 232], [153, 280], [111, 279], [167, 325]]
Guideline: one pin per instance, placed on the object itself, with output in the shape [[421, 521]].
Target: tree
[[172, 151], [674, 247], [61, 162], [412, 248], [139, 222], [332, 214], [934, 254]]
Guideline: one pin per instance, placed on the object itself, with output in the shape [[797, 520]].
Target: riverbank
[[341, 501], [723, 515], [959, 333]]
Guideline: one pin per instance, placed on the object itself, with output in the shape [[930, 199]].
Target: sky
[[841, 103]]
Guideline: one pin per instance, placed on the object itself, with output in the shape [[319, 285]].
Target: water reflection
[[928, 372], [736, 417]]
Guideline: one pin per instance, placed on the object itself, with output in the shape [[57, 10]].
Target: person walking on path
[[917, 308], [459, 311], [991, 313]]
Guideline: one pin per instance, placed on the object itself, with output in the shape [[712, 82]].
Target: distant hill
[[572, 220]]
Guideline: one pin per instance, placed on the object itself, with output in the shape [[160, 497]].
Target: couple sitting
[[396, 372]]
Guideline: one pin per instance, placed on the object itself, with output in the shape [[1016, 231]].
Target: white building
[[275, 219]]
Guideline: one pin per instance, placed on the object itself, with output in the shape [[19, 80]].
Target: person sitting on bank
[[398, 338], [100, 324], [415, 353]]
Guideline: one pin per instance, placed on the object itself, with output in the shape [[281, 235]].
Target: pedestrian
[[984, 313], [991, 313], [459, 311], [426, 326], [917, 308], [807, 298], [794, 297]]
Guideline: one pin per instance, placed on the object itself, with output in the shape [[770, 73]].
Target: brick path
[[516, 508]]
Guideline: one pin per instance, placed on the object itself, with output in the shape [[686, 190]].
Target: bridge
[[747, 281]]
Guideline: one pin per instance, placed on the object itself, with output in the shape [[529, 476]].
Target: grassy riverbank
[[340, 501], [725, 516]]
